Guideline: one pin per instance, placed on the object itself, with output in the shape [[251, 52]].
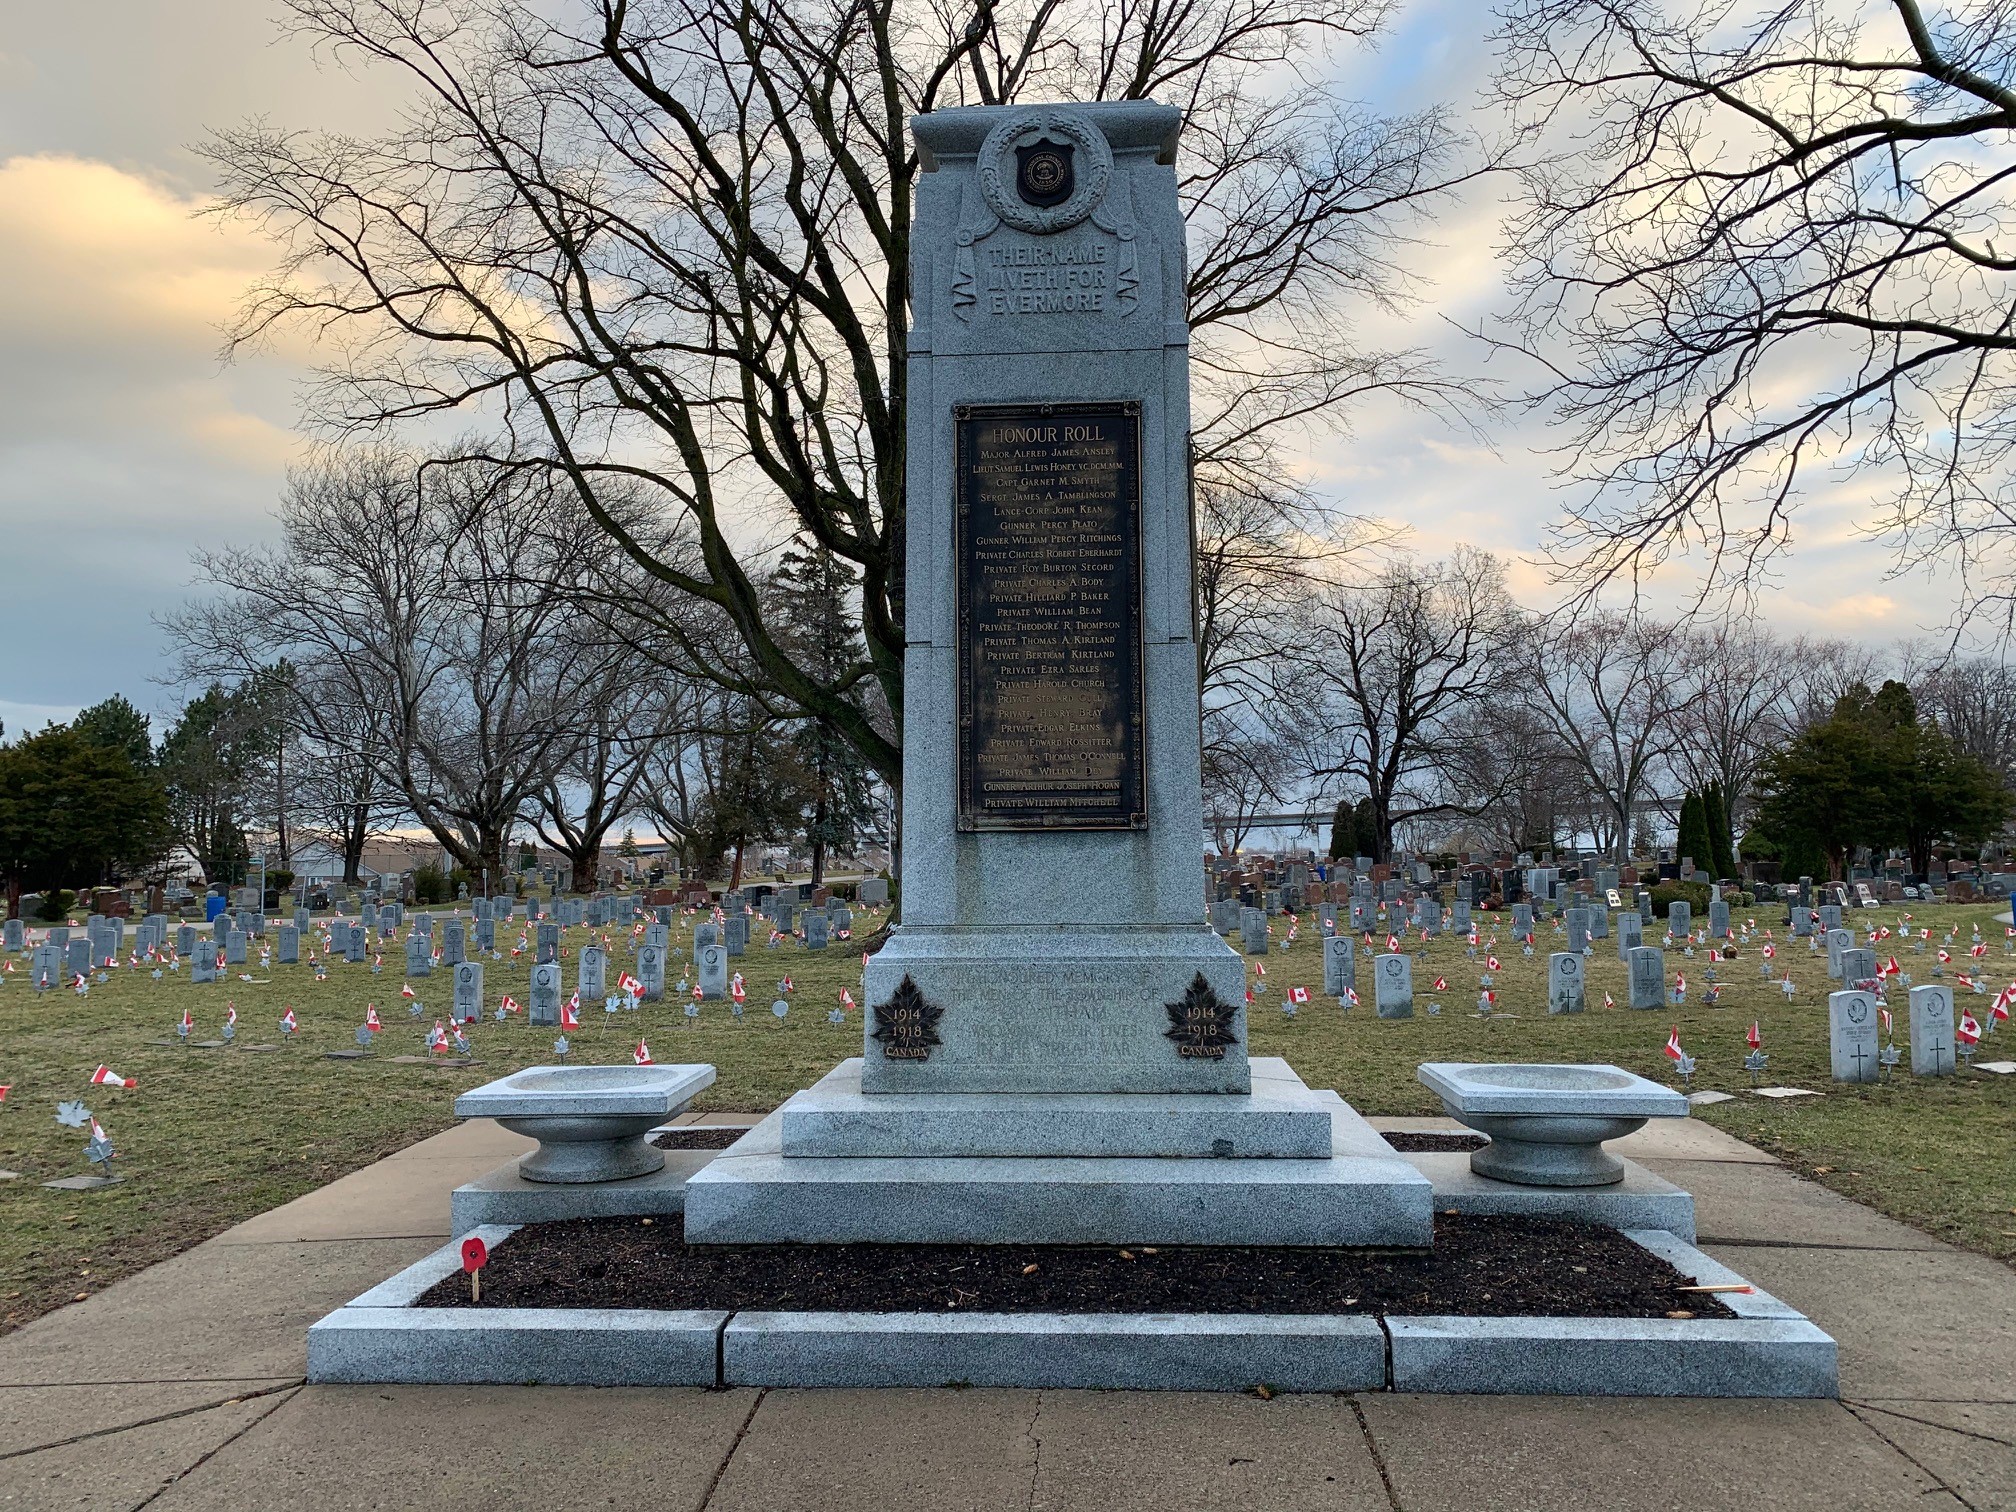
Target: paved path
[[181, 1388]]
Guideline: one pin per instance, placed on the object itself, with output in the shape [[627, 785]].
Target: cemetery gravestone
[[1362, 916], [203, 968], [1566, 982], [544, 1007], [1459, 916], [1340, 964], [708, 933], [547, 945], [1680, 919], [45, 966], [1648, 977], [1932, 1043], [1830, 915], [1852, 1025], [1857, 966], [873, 892], [77, 957], [1645, 907], [288, 951], [1393, 986], [1225, 915], [185, 941], [1718, 921], [711, 968], [1578, 930], [454, 943], [1599, 923], [735, 934], [1253, 929], [353, 942], [651, 972], [1522, 918], [468, 991], [17, 935], [815, 929], [419, 958], [591, 977], [1838, 940]]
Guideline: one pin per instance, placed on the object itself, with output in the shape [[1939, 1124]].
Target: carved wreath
[[1094, 169]]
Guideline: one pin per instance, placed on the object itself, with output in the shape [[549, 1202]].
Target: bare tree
[[435, 609], [1767, 245], [1974, 702], [1376, 689], [669, 240], [1612, 687], [1747, 688], [1246, 771]]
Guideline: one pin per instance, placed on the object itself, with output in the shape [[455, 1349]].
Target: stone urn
[[1547, 1124], [590, 1121]]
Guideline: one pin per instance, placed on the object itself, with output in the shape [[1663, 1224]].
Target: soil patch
[[697, 1139], [1481, 1266], [1429, 1142]]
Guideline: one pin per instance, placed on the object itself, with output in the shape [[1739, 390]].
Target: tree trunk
[[735, 871], [583, 867]]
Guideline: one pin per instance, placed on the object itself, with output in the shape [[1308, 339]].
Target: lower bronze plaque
[[1049, 590]]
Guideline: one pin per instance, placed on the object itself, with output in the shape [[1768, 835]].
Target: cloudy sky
[[125, 439]]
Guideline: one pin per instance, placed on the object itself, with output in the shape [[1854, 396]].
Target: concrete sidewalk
[[181, 1388]]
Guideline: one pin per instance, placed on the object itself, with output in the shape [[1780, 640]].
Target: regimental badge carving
[[1043, 175], [1200, 1022], [907, 1025], [1045, 169]]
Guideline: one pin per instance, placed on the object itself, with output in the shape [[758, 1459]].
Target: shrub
[[1693, 894], [429, 885]]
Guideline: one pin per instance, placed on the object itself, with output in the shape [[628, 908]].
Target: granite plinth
[[1097, 1351], [505, 1196], [1364, 1194], [1279, 1119], [1036, 1008], [1637, 1200]]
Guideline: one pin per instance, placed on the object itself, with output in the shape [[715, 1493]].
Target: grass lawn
[[209, 1137]]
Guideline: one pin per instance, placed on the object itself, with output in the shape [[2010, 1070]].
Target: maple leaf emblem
[[907, 1024], [1200, 1022]]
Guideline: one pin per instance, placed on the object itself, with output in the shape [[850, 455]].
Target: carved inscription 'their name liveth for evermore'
[[1049, 616]]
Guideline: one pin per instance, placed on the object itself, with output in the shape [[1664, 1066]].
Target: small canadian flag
[[1609, 1001], [1969, 1032], [1978, 951], [628, 983], [406, 990], [698, 995], [510, 1004], [1491, 962], [188, 1021], [785, 985], [1351, 996], [1883, 1017], [574, 1000], [737, 991], [1392, 943], [1680, 981], [1945, 955], [1441, 984], [1891, 968], [1673, 1050], [1755, 1038], [287, 1021], [1260, 967], [1249, 997], [846, 998], [1770, 952], [570, 1017], [1298, 994], [642, 1054], [371, 1019], [105, 1076]]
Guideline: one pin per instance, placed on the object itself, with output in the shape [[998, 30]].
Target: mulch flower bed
[[1480, 1267], [1428, 1141], [697, 1139]]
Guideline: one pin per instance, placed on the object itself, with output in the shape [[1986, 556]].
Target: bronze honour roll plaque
[[1049, 585]]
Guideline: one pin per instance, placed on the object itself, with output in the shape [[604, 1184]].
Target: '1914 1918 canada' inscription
[[1049, 616]]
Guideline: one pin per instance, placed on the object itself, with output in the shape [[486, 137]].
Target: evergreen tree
[[1716, 810], [116, 725], [74, 812], [1694, 842], [816, 591]]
